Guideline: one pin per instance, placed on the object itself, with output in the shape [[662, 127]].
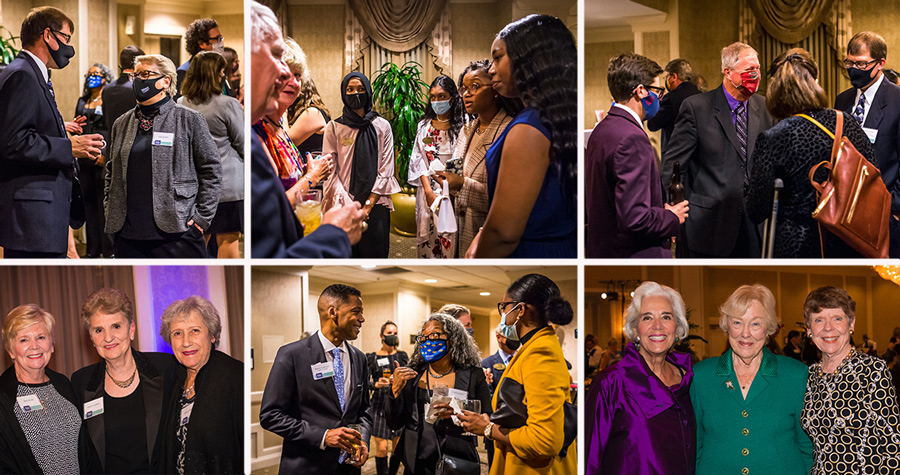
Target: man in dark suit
[[118, 96], [875, 104], [276, 232], [713, 141], [626, 211], [496, 363], [319, 385], [678, 83], [37, 159]]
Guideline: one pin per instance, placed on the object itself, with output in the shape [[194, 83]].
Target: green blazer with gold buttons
[[759, 435]]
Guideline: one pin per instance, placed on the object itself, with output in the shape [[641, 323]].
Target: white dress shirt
[[870, 97], [345, 359], [41, 65]]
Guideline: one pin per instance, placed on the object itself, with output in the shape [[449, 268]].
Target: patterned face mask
[[433, 350]]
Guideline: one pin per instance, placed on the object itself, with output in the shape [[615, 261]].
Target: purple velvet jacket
[[637, 425], [624, 201]]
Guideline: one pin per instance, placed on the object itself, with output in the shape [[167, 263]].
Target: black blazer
[[118, 98], [300, 409], [157, 372], [215, 435], [705, 143], [404, 412], [15, 453], [669, 106], [36, 159], [494, 363], [276, 230]]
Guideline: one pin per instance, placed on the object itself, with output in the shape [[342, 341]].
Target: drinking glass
[[309, 210]]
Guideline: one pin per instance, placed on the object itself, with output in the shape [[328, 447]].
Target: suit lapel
[[873, 120], [753, 120], [723, 115], [47, 95], [96, 427], [317, 355], [152, 391]]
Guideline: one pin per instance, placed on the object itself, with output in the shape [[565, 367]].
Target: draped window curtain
[[398, 31], [821, 27], [62, 291]]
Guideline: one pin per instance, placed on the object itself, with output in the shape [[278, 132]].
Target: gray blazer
[[225, 118], [185, 176]]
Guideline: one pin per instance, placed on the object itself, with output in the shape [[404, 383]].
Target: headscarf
[[364, 165]]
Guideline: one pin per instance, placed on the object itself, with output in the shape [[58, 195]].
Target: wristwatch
[[488, 429]]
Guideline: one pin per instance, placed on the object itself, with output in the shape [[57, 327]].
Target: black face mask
[[391, 340], [62, 54], [145, 89], [859, 78], [357, 101], [513, 345], [235, 85]]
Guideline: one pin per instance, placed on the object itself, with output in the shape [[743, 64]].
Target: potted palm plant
[[8, 52], [399, 96]]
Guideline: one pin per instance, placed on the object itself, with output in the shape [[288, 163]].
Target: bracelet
[[310, 183], [488, 429]]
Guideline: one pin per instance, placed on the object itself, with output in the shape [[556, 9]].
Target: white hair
[[652, 289], [731, 54], [264, 27]]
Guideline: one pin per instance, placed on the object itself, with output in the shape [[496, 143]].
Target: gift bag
[[442, 211]]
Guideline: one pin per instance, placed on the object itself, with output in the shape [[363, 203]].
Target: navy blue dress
[[551, 227]]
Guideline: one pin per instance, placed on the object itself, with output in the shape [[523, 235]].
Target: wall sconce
[[130, 20]]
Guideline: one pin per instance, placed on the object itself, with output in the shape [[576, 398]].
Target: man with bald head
[[317, 387]]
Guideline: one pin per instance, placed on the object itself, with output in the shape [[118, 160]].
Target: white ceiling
[[616, 13]]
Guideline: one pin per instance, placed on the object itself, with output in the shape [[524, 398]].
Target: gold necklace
[[122, 384]]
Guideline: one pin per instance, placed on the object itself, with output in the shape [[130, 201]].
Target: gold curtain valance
[[790, 21], [398, 25]]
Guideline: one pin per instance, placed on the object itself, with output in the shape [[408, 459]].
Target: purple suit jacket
[[635, 424], [626, 216]]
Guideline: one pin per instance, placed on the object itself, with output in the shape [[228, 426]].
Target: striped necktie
[[740, 126], [860, 112]]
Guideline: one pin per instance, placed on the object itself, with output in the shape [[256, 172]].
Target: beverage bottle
[[676, 189]]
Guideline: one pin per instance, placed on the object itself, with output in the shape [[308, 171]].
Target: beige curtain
[[61, 291], [398, 25], [790, 21], [234, 290]]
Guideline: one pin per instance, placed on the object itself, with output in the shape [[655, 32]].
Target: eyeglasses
[[657, 90], [858, 64], [96, 75], [68, 38], [473, 89], [501, 306], [432, 336], [216, 39], [145, 75]]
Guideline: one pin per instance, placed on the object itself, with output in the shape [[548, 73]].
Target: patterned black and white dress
[[51, 432], [380, 428], [853, 418]]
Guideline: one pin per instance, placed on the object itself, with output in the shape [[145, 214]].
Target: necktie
[[860, 112], [339, 376], [50, 85], [740, 126]]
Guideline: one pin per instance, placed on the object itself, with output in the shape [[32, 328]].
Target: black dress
[[418, 445], [313, 143], [788, 151], [92, 181], [380, 427]]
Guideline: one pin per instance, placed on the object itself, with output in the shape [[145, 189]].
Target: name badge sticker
[[164, 139], [29, 403], [871, 133], [384, 362], [93, 408], [322, 370], [458, 394], [98, 110], [186, 414], [347, 141]]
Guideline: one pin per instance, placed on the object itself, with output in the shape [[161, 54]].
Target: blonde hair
[[295, 58], [166, 67], [23, 317], [741, 299]]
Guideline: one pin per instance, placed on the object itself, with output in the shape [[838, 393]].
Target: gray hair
[[463, 349], [653, 289], [165, 66], [183, 308], [454, 310], [264, 27], [731, 54], [740, 300]]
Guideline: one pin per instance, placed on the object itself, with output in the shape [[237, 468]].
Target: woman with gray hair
[[748, 401], [204, 426], [646, 394], [444, 356], [163, 173]]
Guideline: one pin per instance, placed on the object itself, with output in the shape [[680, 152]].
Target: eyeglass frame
[[67, 37], [216, 38], [502, 305], [463, 90], [423, 338], [856, 64], [132, 76], [658, 90]]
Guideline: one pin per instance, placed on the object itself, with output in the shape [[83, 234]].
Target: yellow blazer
[[540, 367]]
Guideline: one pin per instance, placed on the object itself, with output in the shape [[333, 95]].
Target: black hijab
[[364, 165]]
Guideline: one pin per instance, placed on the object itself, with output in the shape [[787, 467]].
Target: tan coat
[[472, 199]]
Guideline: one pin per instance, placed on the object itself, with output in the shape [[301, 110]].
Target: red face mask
[[749, 81]]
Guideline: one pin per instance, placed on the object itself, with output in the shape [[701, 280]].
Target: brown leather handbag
[[853, 203]]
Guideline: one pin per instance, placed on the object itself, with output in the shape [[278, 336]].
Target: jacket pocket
[[701, 201], [186, 190], [33, 194]]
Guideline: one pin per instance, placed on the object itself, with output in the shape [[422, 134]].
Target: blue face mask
[[433, 350], [509, 331], [651, 105], [440, 107], [94, 81], [470, 331]]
